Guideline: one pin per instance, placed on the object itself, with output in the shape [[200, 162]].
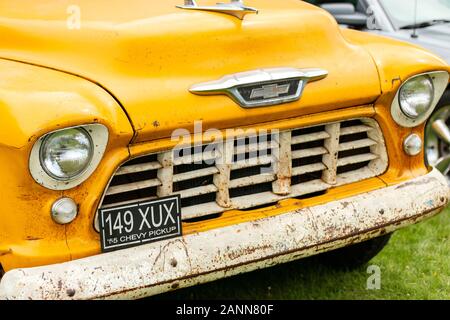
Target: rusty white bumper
[[202, 257]]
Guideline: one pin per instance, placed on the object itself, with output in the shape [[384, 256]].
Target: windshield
[[402, 12]]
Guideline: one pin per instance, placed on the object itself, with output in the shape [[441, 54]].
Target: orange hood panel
[[149, 53]]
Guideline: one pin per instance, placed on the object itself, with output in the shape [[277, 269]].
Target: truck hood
[[149, 53]]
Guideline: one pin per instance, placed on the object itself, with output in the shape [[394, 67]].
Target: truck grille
[[304, 162]]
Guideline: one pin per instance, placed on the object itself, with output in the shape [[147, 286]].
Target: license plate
[[139, 223]]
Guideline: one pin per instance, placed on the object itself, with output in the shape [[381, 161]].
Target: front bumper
[[206, 256]]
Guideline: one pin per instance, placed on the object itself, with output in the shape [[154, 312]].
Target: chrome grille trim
[[312, 159]]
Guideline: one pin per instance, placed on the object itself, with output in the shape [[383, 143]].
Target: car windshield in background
[[429, 12]]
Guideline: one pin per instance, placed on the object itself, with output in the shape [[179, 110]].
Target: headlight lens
[[66, 154], [416, 96]]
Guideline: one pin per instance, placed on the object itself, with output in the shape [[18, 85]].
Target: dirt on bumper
[[197, 258]]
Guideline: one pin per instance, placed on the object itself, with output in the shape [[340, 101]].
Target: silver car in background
[[422, 22]]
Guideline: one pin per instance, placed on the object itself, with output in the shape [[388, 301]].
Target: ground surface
[[414, 265]]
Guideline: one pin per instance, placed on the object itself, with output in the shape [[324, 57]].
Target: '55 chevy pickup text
[[147, 146]]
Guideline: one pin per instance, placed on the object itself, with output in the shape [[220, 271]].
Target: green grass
[[414, 265]]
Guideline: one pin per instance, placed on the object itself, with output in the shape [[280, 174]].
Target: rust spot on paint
[[31, 238], [70, 292], [246, 251], [28, 197], [345, 204], [5, 252]]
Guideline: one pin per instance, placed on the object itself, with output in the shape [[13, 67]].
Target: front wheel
[[437, 137], [356, 255]]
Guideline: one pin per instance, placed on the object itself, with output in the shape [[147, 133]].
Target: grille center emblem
[[270, 91], [262, 87]]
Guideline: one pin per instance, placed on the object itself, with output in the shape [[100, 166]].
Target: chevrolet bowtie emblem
[[270, 91], [235, 8], [259, 88]]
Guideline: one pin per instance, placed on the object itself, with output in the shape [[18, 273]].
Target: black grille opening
[[183, 168], [307, 177], [193, 201], [133, 177], [144, 159], [306, 161], [253, 139], [354, 152], [251, 171], [193, 183], [190, 150], [245, 191], [351, 123], [202, 153], [251, 155], [262, 142], [303, 131], [130, 196], [308, 145], [353, 137], [352, 167]]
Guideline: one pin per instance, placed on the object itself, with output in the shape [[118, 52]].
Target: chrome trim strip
[[230, 84], [235, 8]]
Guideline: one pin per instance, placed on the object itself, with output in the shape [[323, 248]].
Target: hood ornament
[[235, 8], [259, 88]]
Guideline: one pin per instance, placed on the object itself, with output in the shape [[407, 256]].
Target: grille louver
[[309, 160]]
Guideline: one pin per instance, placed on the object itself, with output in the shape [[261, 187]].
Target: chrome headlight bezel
[[422, 94], [439, 81], [99, 136], [44, 155]]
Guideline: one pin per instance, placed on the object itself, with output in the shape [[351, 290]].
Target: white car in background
[[422, 22]]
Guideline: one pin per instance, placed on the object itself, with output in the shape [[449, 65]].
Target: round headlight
[[66, 154], [416, 96]]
